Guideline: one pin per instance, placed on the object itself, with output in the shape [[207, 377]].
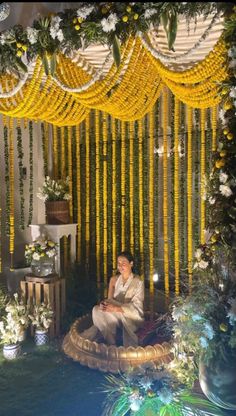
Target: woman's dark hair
[[127, 255]]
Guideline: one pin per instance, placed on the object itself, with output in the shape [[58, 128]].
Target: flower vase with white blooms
[[40, 255], [56, 195]]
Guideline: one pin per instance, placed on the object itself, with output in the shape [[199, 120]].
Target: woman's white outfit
[[129, 297]]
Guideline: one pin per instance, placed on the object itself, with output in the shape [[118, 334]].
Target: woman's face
[[124, 266]]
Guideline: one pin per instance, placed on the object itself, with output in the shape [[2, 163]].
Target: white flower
[[202, 264], [109, 24], [149, 12], [223, 177], [232, 63], [209, 331], [60, 35], [51, 253], [84, 11], [135, 404], [203, 342], [225, 190], [177, 313], [198, 254], [36, 256], [232, 312], [232, 92], [165, 395], [196, 317], [32, 35], [212, 200]]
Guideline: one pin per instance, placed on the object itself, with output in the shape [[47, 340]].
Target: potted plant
[[13, 324], [40, 255], [41, 317], [55, 194]]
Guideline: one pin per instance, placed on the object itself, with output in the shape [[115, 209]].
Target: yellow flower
[[213, 238], [223, 153], [223, 327], [19, 45], [230, 136], [19, 53], [24, 47], [125, 18], [104, 10], [42, 255], [218, 164], [80, 19], [224, 91], [227, 105], [75, 20], [77, 27], [128, 9], [136, 16], [51, 243], [226, 131]]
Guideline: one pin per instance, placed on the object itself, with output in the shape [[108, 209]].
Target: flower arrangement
[[41, 316], [205, 320], [152, 390], [40, 248], [54, 190], [103, 22], [14, 321]]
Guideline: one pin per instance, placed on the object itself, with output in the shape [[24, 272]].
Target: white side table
[[55, 232]]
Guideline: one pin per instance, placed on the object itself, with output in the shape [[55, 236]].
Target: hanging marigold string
[[7, 174], [203, 179], [140, 180], [214, 125], [176, 194], [20, 155], [78, 194], [31, 173], [98, 236], [131, 184], [123, 155], [151, 200], [63, 152], [12, 190], [189, 194], [87, 182], [114, 199], [70, 172], [55, 152], [165, 191], [44, 149], [104, 136]]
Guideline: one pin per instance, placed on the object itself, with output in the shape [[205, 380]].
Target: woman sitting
[[123, 308]]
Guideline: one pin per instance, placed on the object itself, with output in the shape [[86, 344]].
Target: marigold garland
[[20, 155], [12, 190], [165, 191], [189, 194], [151, 200], [176, 194], [203, 177], [140, 167], [31, 173]]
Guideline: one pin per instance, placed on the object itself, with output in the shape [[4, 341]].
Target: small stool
[[49, 292]]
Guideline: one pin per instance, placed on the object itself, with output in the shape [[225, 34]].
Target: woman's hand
[[112, 308]]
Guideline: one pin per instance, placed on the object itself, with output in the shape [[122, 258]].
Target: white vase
[[41, 337], [11, 351]]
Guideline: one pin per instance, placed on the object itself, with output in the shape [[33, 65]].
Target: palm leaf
[[201, 404], [172, 30], [116, 51], [45, 63], [53, 64]]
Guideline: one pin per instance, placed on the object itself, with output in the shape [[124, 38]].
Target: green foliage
[[93, 23]]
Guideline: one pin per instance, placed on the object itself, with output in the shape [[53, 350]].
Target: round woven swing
[[106, 358]]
